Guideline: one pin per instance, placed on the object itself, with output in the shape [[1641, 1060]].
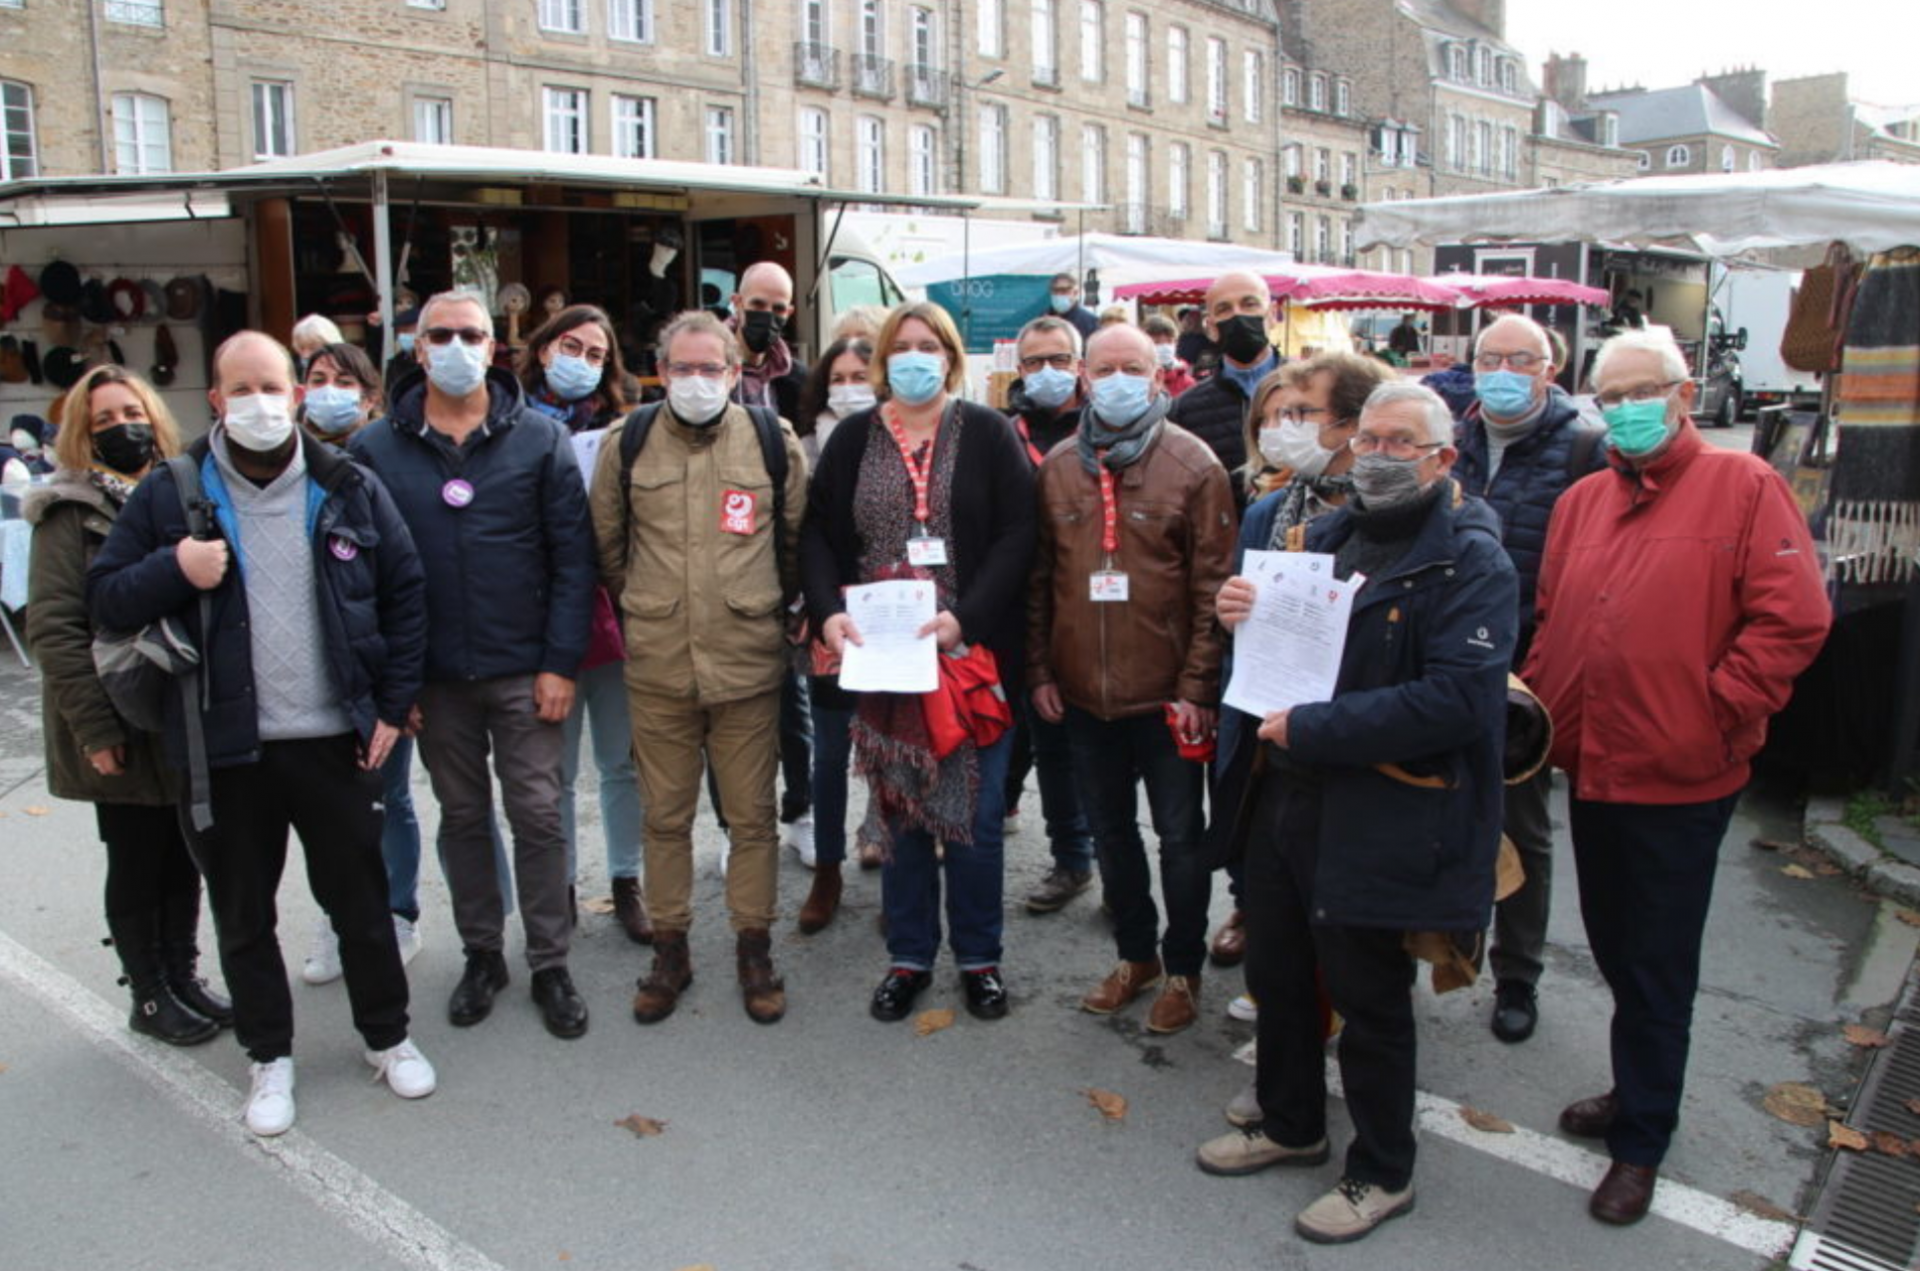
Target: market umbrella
[[1316, 286], [1481, 290]]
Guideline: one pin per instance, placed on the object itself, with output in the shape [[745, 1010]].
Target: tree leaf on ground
[[1755, 1203], [1774, 845], [1861, 1035], [1485, 1122], [1796, 871], [1112, 1106], [1889, 1144], [598, 904], [1909, 916], [36, 810], [642, 1127], [1796, 1103], [1839, 1135], [927, 1023], [1826, 869], [1911, 1105]]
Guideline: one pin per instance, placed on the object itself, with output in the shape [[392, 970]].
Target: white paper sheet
[[586, 451], [892, 657], [1288, 651]]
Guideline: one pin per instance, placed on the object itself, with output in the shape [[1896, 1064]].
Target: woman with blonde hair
[[113, 429]]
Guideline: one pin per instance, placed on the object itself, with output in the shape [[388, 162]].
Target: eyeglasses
[[705, 370], [445, 335], [1638, 393], [1300, 414], [1521, 362], [1058, 361], [576, 348], [1392, 447]]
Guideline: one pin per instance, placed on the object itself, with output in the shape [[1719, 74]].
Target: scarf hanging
[[1122, 446], [1873, 525]]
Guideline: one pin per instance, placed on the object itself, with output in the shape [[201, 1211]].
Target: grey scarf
[[1123, 446]]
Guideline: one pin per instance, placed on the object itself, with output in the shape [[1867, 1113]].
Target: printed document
[[892, 656], [1288, 651]]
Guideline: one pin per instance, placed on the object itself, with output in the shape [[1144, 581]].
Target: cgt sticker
[[737, 512]]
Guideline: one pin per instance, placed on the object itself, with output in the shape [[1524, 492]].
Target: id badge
[[926, 551], [1109, 586]]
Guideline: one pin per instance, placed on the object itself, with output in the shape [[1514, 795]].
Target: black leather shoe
[[986, 993], [560, 1004], [472, 999], [1590, 1118], [1516, 1010], [894, 998]]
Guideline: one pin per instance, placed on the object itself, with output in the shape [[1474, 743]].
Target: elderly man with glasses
[[1374, 814], [1522, 444]]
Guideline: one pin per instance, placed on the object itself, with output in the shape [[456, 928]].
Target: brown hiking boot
[[1174, 1009], [669, 977], [823, 901], [763, 992], [630, 910], [1124, 983]]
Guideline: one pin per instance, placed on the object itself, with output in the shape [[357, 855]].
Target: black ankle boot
[[157, 1013], [180, 958]]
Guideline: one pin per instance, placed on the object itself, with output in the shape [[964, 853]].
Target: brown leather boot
[[1127, 981], [823, 901], [630, 910], [670, 976], [764, 993]]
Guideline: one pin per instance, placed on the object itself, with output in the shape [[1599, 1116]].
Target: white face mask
[[696, 399], [1163, 354], [1295, 444], [258, 421], [849, 399]]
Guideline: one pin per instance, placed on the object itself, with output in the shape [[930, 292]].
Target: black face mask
[[1243, 337], [126, 448], [758, 329]]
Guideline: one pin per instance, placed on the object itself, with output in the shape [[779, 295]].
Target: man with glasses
[[1215, 410], [1374, 814], [1679, 598], [701, 554], [494, 498], [1063, 302], [1522, 444]]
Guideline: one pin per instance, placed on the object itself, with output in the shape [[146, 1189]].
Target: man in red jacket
[[1678, 600]]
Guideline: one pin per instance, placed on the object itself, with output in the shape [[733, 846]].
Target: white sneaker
[[1244, 1008], [799, 836], [726, 850], [404, 1069], [270, 1105], [406, 934], [323, 959]]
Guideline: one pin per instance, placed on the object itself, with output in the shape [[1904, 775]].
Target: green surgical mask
[[1636, 428]]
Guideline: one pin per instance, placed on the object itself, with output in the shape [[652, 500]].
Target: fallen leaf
[[1485, 1122], [1911, 1105], [1839, 1135], [36, 810], [1774, 845], [1112, 1106], [1754, 1203], [1909, 916], [1796, 871], [642, 1127], [598, 904], [1796, 1103], [565, 1256], [927, 1023], [1861, 1035], [1826, 869], [1889, 1144]]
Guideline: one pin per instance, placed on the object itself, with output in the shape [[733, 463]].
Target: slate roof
[[1691, 110]]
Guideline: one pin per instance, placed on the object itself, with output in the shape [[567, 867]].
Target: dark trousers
[[1369, 978], [147, 860], [1646, 879], [1110, 760], [832, 753], [1039, 746], [318, 789], [975, 874], [1520, 921]]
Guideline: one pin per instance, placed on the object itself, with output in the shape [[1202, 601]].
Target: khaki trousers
[[674, 739]]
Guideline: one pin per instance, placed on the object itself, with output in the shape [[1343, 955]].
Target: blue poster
[[992, 308]]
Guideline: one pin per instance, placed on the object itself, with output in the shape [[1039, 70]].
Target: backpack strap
[[633, 436], [773, 452], [195, 685]]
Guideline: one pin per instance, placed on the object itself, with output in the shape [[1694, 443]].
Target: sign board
[[991, 308]]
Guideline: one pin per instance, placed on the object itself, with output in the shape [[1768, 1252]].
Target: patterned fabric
[[1873, 529], [112, 484], [1302, 499]]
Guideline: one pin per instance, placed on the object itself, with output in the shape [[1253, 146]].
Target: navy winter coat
[[1215, 411], [511, 572], [371, 594], [1423, 685]]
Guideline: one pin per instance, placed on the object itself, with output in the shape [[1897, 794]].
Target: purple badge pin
[[343, 549], [457, 493]]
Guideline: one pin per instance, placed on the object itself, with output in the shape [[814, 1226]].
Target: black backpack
[[773, 452]]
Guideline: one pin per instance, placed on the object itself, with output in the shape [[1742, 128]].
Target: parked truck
[[1750, 307]]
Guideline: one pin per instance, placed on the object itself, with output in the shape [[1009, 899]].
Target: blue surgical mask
[[1062, 302], [456, 367], [405, 342], [1049, 388], [332, 409], [1119, 399], [1504, 394], [916, 378], [572, 378]]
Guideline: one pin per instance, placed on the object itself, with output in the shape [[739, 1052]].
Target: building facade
[[1718, 123], [1817, 121]]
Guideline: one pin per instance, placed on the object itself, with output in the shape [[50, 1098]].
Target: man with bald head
[[294, 576], [1136, 537], [761, 310], [1237, 309], [1521, 445]]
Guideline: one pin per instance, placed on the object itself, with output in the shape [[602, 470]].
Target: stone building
[[1718, 123], [1323, 149], [1817, 121]]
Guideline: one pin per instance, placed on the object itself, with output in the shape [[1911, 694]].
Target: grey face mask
[[1384, 482]]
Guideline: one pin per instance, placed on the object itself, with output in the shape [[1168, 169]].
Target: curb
[[1884, 875]]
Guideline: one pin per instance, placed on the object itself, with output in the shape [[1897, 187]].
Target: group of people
[[501, 565]]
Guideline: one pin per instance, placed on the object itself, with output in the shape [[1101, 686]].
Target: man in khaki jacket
[[687, 542], [1136, 537]]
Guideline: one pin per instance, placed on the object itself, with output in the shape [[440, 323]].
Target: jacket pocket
[[1380, 832]]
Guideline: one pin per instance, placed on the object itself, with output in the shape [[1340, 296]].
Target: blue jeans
[[1110, 759], [910, 882], [832, 749], [400, 832], [600, 705]]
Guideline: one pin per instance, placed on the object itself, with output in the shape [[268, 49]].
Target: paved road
[[832, 1141]]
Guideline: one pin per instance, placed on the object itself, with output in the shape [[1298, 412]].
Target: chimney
[[1491, 14], [1744, 89], [1565, 80]]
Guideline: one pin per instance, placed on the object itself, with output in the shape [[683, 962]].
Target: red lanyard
[[921, 475], [1109, 509]]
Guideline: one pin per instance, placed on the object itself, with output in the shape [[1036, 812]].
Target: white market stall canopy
[[1870, 207], [1119, 258]]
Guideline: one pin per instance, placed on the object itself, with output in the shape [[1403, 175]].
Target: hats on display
[[13, 368], [18, 292], [515, 298], [29, 423], [60, 283], [59, 324], [184, 298], [166, 356], [126, 299], [156, 296], [64, 366], [94, 305]]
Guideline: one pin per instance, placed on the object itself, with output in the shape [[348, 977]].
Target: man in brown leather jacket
[[1136, 537]]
